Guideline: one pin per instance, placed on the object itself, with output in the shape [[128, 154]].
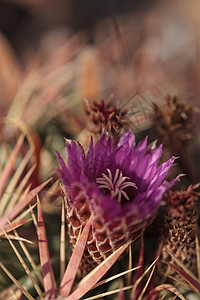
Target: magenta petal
[[90, 161], [127, 139], [102, 153], [162, 173], [138, 163], [155, 155], [141, 148], [92, 183], [65, 174], [75, 158]]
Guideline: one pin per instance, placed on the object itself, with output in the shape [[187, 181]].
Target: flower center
[[115, 185]]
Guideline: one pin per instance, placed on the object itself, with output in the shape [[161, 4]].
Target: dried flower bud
[[173, 121], [105, 116], [181, 228]]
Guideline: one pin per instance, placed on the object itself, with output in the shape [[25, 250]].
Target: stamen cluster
[[117, 185]]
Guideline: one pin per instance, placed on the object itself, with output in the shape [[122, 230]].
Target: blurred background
[[120, 48], [124, 50], [132, 45], [56, 53]]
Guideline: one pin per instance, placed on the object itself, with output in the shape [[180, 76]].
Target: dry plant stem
[[25, 194], [110, 293], [193, 283], [9, 227], [132, 296], [153, 294], [62, 242], [25, 200], [140, 262], [72, 268], [13, 181], [115, 277], [34, 143], [25, 213], [94, 276], [181, 282], [9, 167], [30, 259], [147, 283], [185, 273], [36, 286], [20, 188], [48, 277], [129, 277], [16, 282], [15, 238], [23, 95]]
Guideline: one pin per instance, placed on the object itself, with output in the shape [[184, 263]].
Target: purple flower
[[120, 184]]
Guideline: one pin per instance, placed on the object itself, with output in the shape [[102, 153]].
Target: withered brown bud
[[174, 120], [181, 229], [105, 116]]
